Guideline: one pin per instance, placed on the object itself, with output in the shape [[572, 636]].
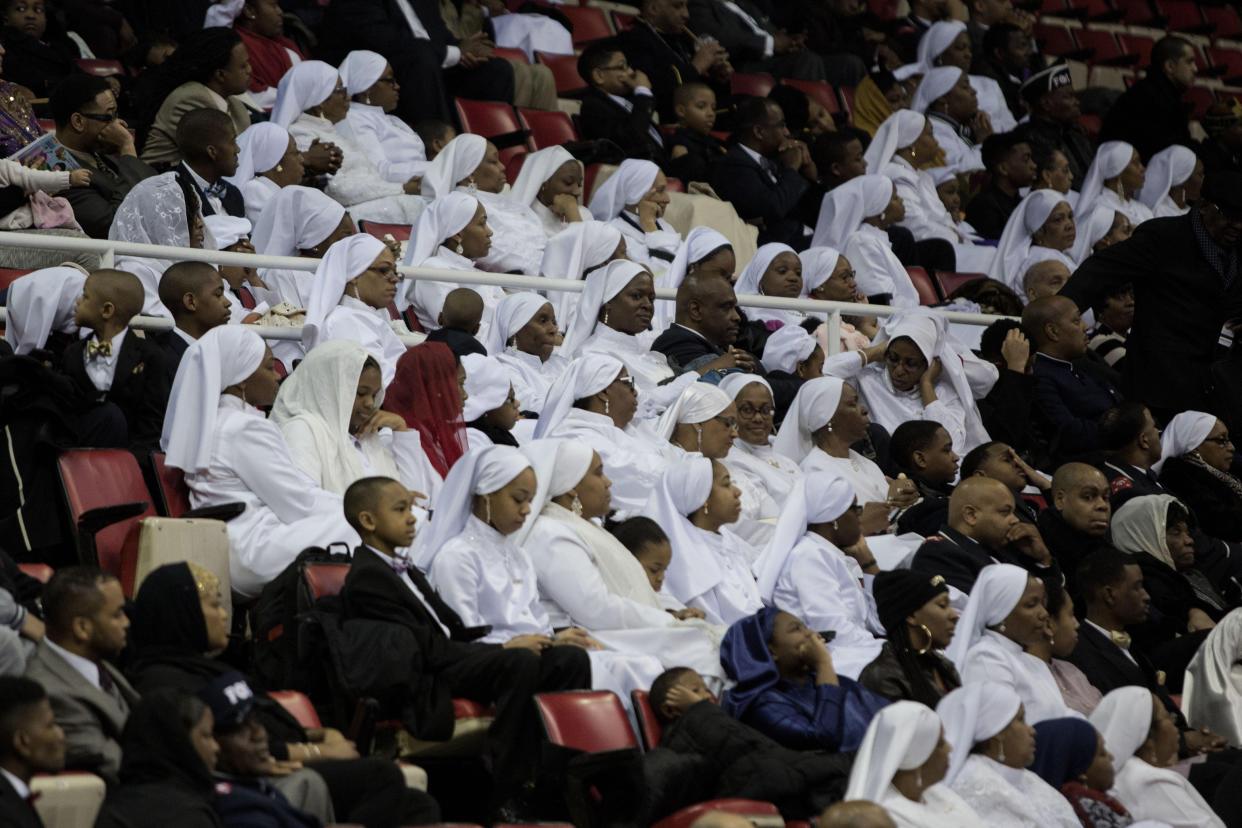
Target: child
[[42, 211], [1007, 157], [194, 294], [435, 136], [381, 511], [619, 104], [233, 234], [692, 147], [459, 319], [647, 542], [116, 367], [675, 691], [923, 450]]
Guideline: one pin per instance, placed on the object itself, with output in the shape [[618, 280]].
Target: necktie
[[95, 348], [769, 167], [1121, 639]]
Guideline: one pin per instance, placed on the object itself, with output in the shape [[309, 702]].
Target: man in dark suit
[[754, 44], [705, 327], [85, 112], [1007, 157], [1153, 114], [194, 294], [767, 175], [1129, 433], [207, 142], [30, 742], [619, 103], [1186, 287], [1076, 523], [449, 661]]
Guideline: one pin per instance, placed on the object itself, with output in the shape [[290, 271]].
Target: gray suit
[[92, 719]]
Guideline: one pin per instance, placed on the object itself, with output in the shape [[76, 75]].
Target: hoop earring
[[576, 505], [925, 649], [356, 296], [367, 100]]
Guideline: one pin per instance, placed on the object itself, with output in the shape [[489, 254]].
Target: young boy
[[194, 294], [380, 510], [116, 367], [648, 543], [619, 104], [692, 147], [1007, 157], [460, 319], [675, 691], [923, 450], [435, 135]]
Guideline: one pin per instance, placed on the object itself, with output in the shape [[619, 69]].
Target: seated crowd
[[886, 569]]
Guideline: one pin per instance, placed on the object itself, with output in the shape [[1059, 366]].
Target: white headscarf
[[222, 13], [1140, 526], [487, 385], [305, 85], [227, 230], [684, 487], [1096, 227], [1123, 718], [320, 396], [223, 356], [935, 40], [901, 736], [360, 70], [1168, 168], [817, 497], [262, 146], [972, 714], [512, 314], [153, 212], [586, 376], [1110, 159], [536, 170], [936, 83], [601, 287], [812, 408], [786, 348], [699, 243], [345, 260], [751, 279], [581, 246], [1184, 433], [559, 466], [817, 266], [39, 303], [1211, 697], [456, 162], [1015, 240], [480, 471], [627, 186], [899, 130], [844, 208], [698, 403], [996, 592], [297, 218], [447, 216]]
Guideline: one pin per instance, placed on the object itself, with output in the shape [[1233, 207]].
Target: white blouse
[[427, 296], [632, 464], [776, 473], [395, 149], [879, 270], [531, 376], [356, 321], [552, 223], [870, 484], [736, 595], [940, 808], [961, 156], [650, 369], [1133, 209], [639, 245], [1002, 795], [1162, 795], [257, 192], [995, 658], [518, 238], [992, 101]]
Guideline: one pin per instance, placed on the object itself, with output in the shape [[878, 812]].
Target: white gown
[[940, 808], [531, 376], [427, 296], [1133, 209], [870, 484], [356, 321], [640, 245], [961, 156], [879, 270], [995, 658], [395, 149], [285, 511], [632, 464], [648, 368], [1002, 795], [403, 450], [257, 192], [992, 101], [774, 472], [552, 223], [518, 237], [927, 218], [733, 596], [1162, 795]]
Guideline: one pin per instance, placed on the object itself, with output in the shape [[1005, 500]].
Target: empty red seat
[[759, 84], [1104, 47], [1183, 15], [9, 275], [490, 119], [1056, 41], [1137, 45], [548, 128], [589, 23], [923, 284], [1094, 9], [1227, 61], [819, 91], [1136, 11], [107, 499], [950, 282], [513, 165], [173, 492], [297, 705], [400, 232], [564, 71], [1225, 19]]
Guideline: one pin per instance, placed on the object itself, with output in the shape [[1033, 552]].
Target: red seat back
[[100, 68], [1226, 20], [588, 720], [400, 232], [324, 579], [1103, 44], [758, 84], [950, 282], [622, 22], [299, 707], [1055, 40], [819, 91], [513, 166], [548, 128], [9, 275], [564, 72], [923, 284], [173, 492], [95, 478], [489, 119], [589, 23], [649, 727], [41, 572], [746, 807]]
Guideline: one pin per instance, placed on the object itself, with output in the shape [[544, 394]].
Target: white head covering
[[262, 146], [487, 385], [996, 592], [480, 471], [786, 348], [627, 186], [223, 356], [1015, 240], [537, 169], [1211, 697], [297, 218], [936, 83], [732, 384], [447, 216], [512, 314], [586, 375], [1167, 169], [459, 158], [817, 497], [360, 70], [222, 13], [345, 260], [1110, 159], [751, 278], [1123, 718], [601, 287], [305, 85], [972, 714], [684, 487], [1140, 525], [899, 130], [227, 230], [559, 466], [812, 408], [817, 266], [935, 40], [581, 246], [39, 303], [1096, 227], [698, 403], [154, 212], [901, 736], [1184, 433], [699, 243], [844, 208]]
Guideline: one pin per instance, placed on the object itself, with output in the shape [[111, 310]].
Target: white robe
[[995, 658], [940, 808], [518, 237], [285, 511], [257, 192], [639, 245], [552, 223], [292, 286], [356, 321], [427, 296], [927, 218], [1163, 795], [1002, 795], [961, 156], [774, 472], [389, 453], [531, 377], [632, 464], [1133, 209], [648, 368], [992, 101], [736, 595], [395, 149], [879, 270], [870, 484]]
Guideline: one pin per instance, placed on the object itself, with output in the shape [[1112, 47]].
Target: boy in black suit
[[117, 366], [207, 142], [194, 294], [30, 742], [619, 103], [460, 319], [692, 147], [384, 585]]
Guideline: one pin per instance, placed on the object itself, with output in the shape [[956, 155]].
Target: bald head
[[856, 814], [184, 281], [1045, 279], [122, 289], [1055, 327], [1081, 494], [463, 310], [707, 304], [982, 508]]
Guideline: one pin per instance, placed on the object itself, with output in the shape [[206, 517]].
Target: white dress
[[995, 658], [1133, 209], [285, 511], [992, 101], [640, 246], [552, 223], [870, 484], [632, 464], [879, 270], [732, 594], [961, 156], [427, 296], [356, 321], [257, 192], [1162, 795], [518, 237], [1002, 795], [531, 376], [648, 368], [774, 472], [927, 218], [402, 452], [940, 808], [395, 149]]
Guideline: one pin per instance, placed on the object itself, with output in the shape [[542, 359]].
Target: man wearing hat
[[1053, 124], [1222, 149], [1185, 273], [1152, 114]]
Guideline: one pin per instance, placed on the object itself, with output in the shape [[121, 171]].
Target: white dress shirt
[[22, 789], [217, 205]]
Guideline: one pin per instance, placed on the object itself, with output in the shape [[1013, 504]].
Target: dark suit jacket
[[988, 211], [602, 117], [1107, 668], [959, 559], [683, 346], [114, 176], [665, 59], [1070, 401], [174, 348], [233, 202], [15, 812], [1152, 114], [739, 179], [711, 17], [139, 385]]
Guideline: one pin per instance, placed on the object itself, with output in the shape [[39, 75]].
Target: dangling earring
[[487, 510], [1001, 627], [243, 394], [470, 186], [367, 100], [280, 168], [927, 647], [605, 320], [459, 249], [606, 406], [576, 505], [356, 296], [1001, 757], [918, 779], [707, 508]]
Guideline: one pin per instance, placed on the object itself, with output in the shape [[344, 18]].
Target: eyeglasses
[[620, 67], [102, 117], [750, 412], [392, 276], [1222, 440], [625, 381]]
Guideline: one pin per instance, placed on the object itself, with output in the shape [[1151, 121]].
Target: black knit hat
[[900, 592]]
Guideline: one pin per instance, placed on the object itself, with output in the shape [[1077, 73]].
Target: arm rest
[[224, 512], [92, 521], [41, 572]]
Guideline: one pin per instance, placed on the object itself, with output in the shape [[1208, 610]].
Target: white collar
[[612, 335], [23, 790], [1064, 362], [454, 258], [202, 183], [628, 106], [189, 340], [759, 159], [696, 333], [355, 304], [88, 669]]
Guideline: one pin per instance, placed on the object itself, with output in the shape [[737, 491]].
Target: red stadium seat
[[400, 232], [1139, 45], [1054, 7], [1226, 20], [297, 705], [513, 166], [1200, 97], [41, 572], [1183, 16], [565, 72], [100, 68], [819, 91], [1227, 61], [107, 500], [490, 119], [1092, 123], [949, 282], [1094, 10], [746, 807], [9, 275], [173, 493], [548, 128], [1056, 41], [1137, 12], [923, 284], [649, 727], [759, 84], [512, 55], [622, 22], [1104, 47], [589, 23]]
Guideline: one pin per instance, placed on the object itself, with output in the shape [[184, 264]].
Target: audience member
[[1174, 181], [1195, 464], [1114, 317], [1053, 124], [619, 104], [207, 143], [1007, 157], [915, 612], [633, 201], [1004, 54], [693, 148], [1151, 114], [30, 742], [1220, 149], [260, 24], [1132, 439], [1115, 179], [923, 451], [947, 98], [194, 294]]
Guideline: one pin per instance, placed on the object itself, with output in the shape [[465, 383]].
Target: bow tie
[[95, 348], [1121, 639], [399, 563], [217, 190]]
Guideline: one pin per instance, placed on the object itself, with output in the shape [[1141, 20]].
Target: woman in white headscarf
[[776, 271], [1103, 228], [1044, 219], [633, 200], [803, 571], [1173, 181], [522, 338], [705, 252], [900, 765], [216, 434], [41, 305], [992, 748], [947, 43], [937, 85], [471, 164], [550, 184], [1004, 614], [852, 219], [310, 102], [1212, 691], [752, 451], [298, 221], [572, 254], [710, 569], [1115, 179], [829, 276], [587, 578], [388, 142], [233, 234], [329, 412], [1143, 739], [268, 160], [491, 411], [1196, 455], [355, 282]]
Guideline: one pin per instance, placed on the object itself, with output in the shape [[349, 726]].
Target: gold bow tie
[[1121, 639], [98, 349]]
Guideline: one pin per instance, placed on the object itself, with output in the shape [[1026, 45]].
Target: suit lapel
[[1111, 653], [126, 362], [75, 684]]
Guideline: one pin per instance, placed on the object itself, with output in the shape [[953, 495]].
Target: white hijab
[[345, 260], [973, 714], [222, 13], [812, 408], [1090, 231], [996, 592], [581, 246], [1168, 168], [627, 186], [899, 130], [360, 70], [39, 303], [1123, 717], [261, 146], [817, 497], [559, 466], [750, 282], [698, 403], [222, 357], [935, 40], [512, 314], [536, 170], [1110, 159], [817, 266], [936, 83], [787, 348], [455, 163], [601, 287], [447, 216], [1211, 696], [1184, 433], [1140, 526], [227, 230], [487, 385], [901, 736], [844, 208], [586, 376], [684, 487], [1015, 240], [297, 218], [304, 86]]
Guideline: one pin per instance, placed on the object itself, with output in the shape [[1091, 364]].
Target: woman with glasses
[[1195, 460], [828, 276], [752, 451]]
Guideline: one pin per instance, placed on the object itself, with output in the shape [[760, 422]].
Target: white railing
[[109, 250]]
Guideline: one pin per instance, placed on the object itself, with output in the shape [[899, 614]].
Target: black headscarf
[[168, 618], [156, 743], [899, 593]]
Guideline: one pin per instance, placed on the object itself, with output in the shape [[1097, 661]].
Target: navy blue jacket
[[1070, 401]]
